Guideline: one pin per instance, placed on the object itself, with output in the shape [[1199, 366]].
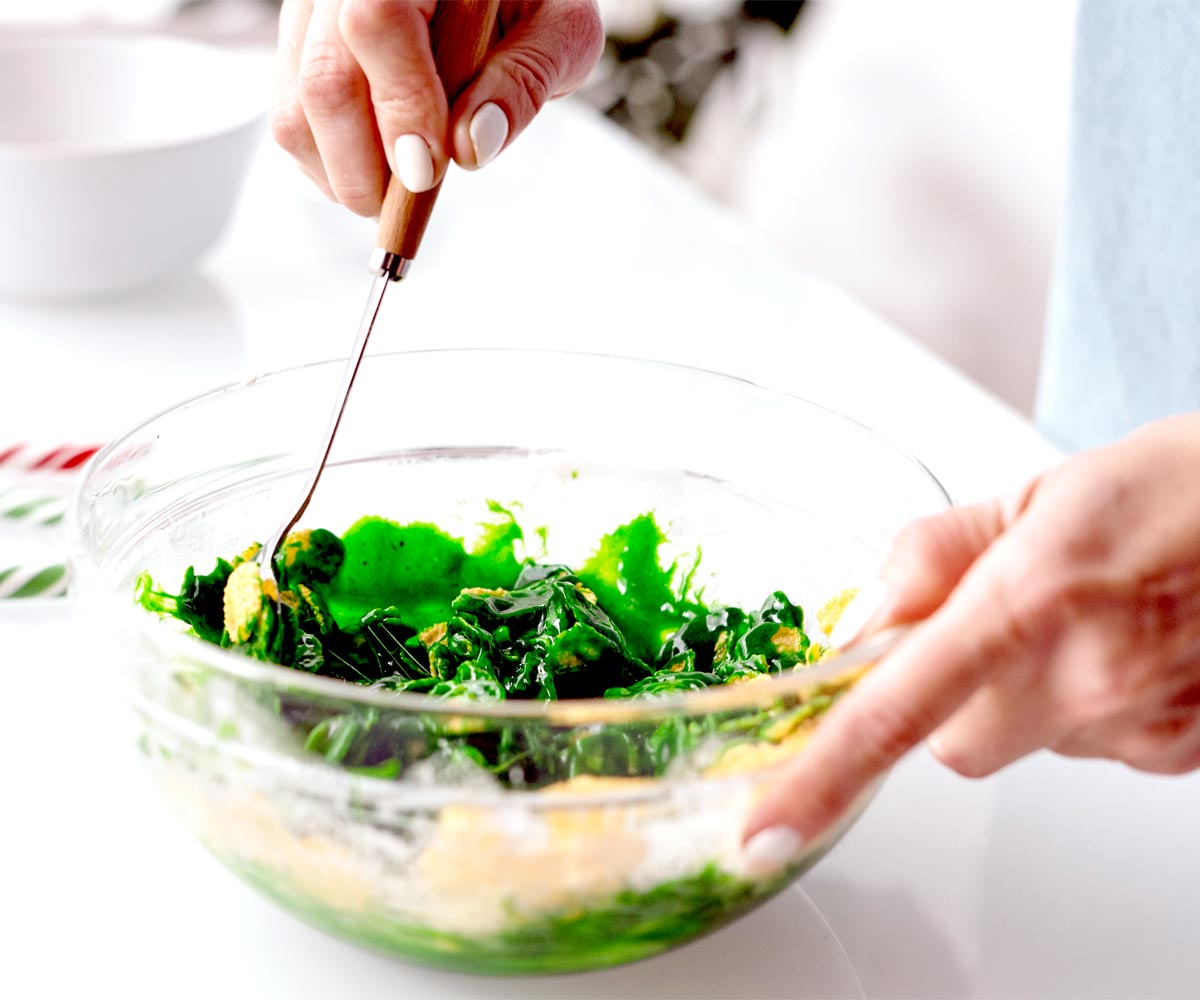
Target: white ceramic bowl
[[121, 157]]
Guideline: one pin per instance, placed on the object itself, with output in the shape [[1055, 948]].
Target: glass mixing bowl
[[400, 845]]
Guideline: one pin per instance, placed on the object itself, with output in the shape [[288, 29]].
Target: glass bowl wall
[[610, 855]]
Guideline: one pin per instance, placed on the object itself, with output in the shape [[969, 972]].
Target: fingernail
[[414, 163], [771, 850], [488, 130], [858, 612]]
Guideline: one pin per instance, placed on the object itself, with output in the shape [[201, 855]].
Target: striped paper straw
[[32, 505], [38, 505], [38, 581], [25, 457]]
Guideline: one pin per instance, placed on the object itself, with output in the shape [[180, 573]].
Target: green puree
[[628, 580], [422, 570], [419, 567]]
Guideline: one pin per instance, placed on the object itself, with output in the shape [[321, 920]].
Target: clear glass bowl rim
[[565, 712]]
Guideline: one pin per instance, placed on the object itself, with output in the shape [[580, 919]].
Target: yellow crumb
[[588, 594], [787, 640], [744, 757], [243, 600], [294, 544], [831, 613], [501, 866], [250, 552], [433, 635]]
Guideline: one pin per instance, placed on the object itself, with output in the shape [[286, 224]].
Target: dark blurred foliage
[[652, 84]]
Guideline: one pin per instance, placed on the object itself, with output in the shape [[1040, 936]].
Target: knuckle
[[325, 80], [399, 106], [1162, 744], [358, 18], [534, 72], [361, 199], [581, 26], [1082, 627], [1032, 608], [1185, 696], [1162, 611], [958, 759], [921, 541], [363, 18], [289, 128], [885, 732], [1040, 601], [1166, 744], [1168, 730]]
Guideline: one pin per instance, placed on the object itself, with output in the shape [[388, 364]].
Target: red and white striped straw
[[26, 457]]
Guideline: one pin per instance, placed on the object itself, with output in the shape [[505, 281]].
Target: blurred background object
[[122, 161], [235, 22], [913, 153], [662, 60]]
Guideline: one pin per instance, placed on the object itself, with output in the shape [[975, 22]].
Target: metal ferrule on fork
[[385, 262]]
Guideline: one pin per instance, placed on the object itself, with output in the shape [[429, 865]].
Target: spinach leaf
[[199, 603]]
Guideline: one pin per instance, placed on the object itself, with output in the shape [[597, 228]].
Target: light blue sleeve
[[1123, 336]]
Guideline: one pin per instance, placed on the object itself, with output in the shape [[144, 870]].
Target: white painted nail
[[488, 130], [771, 850], [858, 612], [414, 163]]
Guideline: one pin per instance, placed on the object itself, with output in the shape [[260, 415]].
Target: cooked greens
[[408, 608], [634, 924]]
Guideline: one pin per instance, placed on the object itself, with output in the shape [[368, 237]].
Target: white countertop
[[1054, 878]]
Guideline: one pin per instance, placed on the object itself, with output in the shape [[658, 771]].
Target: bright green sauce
[[630, 582], [416, 568]]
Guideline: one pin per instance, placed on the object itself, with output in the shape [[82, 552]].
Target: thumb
[[927, 560], [547, 53]]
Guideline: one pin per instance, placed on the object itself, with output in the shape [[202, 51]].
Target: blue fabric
[[1123, 336]]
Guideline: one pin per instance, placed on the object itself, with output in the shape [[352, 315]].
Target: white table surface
[[1054, 878]]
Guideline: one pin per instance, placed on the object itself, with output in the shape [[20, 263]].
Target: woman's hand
[[1068, 619], [357, 94]]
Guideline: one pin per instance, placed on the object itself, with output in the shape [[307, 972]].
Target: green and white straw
[[32, 505], [42, 511], [34, 483], [40, 581]]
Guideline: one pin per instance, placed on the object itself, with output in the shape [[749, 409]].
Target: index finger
[[390, 41], [930, 674]]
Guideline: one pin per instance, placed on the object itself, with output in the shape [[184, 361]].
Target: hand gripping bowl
[[441, 864]]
